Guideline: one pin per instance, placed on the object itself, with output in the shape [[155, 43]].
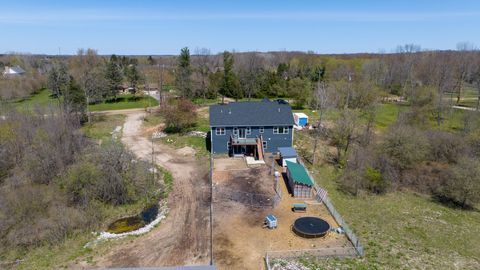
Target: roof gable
[[299, 173], [251, 113]]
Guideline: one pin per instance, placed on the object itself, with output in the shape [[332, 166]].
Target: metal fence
[[350, 235], [338, 218]]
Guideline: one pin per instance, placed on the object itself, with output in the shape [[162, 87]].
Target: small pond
[[133, 223]]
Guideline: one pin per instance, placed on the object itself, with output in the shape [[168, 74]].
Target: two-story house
[[251, 127]]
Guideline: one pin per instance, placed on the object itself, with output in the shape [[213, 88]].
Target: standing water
[[133, 223]]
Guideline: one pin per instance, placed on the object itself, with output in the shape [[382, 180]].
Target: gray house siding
[[220, 142]]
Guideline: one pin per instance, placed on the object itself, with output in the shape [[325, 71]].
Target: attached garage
[[299, 181], [287, 154]]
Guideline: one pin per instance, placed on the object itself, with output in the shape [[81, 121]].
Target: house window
[[229, 146], [264, 144], [280, 130], [235, 131], [248, 130], [261, 129], [220, 131]]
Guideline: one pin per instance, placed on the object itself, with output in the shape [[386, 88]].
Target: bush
[[375, 181], [463, 185], [179, 116], [405, 146], [445, 146]]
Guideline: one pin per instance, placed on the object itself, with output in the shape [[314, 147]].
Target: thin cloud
[[52, 16]]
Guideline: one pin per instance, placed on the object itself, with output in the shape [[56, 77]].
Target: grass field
[[44, 99], [102, 125], [40, 99], [182, 140], [124, 102], [404, 230]]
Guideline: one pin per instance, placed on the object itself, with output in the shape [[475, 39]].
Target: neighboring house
[[13, 71], [299, 181], [251, 127]]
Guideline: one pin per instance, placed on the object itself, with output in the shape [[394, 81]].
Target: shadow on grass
[[122, 99], [453, 204]]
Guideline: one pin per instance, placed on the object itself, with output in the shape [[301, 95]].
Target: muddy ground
[[183, 237], [240, 241]]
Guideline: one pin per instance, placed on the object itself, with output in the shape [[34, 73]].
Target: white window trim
[[235, 131], [220, 131], [265, 144], [285, 130], [229, 145], [261, 129], [248, 131], [275, 130]]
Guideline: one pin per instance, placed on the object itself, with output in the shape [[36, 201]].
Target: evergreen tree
[[133, 76], [230, 84], [151, 61], [58, 79], [114, 77], [74, 101], [183, 74]]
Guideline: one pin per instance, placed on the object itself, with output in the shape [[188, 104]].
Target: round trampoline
[[311, 227]]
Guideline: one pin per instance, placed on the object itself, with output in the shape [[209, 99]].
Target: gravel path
[[181, 239]]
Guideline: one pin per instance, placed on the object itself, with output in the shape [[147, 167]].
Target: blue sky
[[163, 27]]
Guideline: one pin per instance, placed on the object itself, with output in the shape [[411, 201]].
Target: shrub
[[445, 146], [179, 116], [463, 185], [405, 146], [375, 181]]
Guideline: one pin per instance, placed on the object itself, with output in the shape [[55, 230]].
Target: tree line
[[56, 183]]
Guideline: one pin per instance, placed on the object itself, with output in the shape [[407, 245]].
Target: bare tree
[[89, 70], [203, 66], [321, 102]]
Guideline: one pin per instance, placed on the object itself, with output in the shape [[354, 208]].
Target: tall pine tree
[[114, 76], [183, 74], [230, 84]]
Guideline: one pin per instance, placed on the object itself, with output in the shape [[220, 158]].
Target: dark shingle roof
[[251, 113]]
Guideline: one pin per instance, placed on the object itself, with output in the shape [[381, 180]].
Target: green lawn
[[124, 102], [182, 140], [102, 125], [44, 99], [40, 99], [403, 230]]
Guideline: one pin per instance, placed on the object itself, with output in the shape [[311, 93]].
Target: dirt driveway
[[181, 239]]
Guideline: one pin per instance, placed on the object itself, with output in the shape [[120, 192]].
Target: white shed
[[300, 119]]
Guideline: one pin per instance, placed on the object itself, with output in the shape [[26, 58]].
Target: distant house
[[251, 127], [13, 71], [299, 180]]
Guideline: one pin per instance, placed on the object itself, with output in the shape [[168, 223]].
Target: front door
[[241, 133]]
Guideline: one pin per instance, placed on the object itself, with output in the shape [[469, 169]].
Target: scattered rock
[[197, 134], [158, 135], [162, 214], [186, 151]]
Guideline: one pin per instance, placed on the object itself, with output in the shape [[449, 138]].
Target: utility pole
[[211, 209], [154, 169]]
